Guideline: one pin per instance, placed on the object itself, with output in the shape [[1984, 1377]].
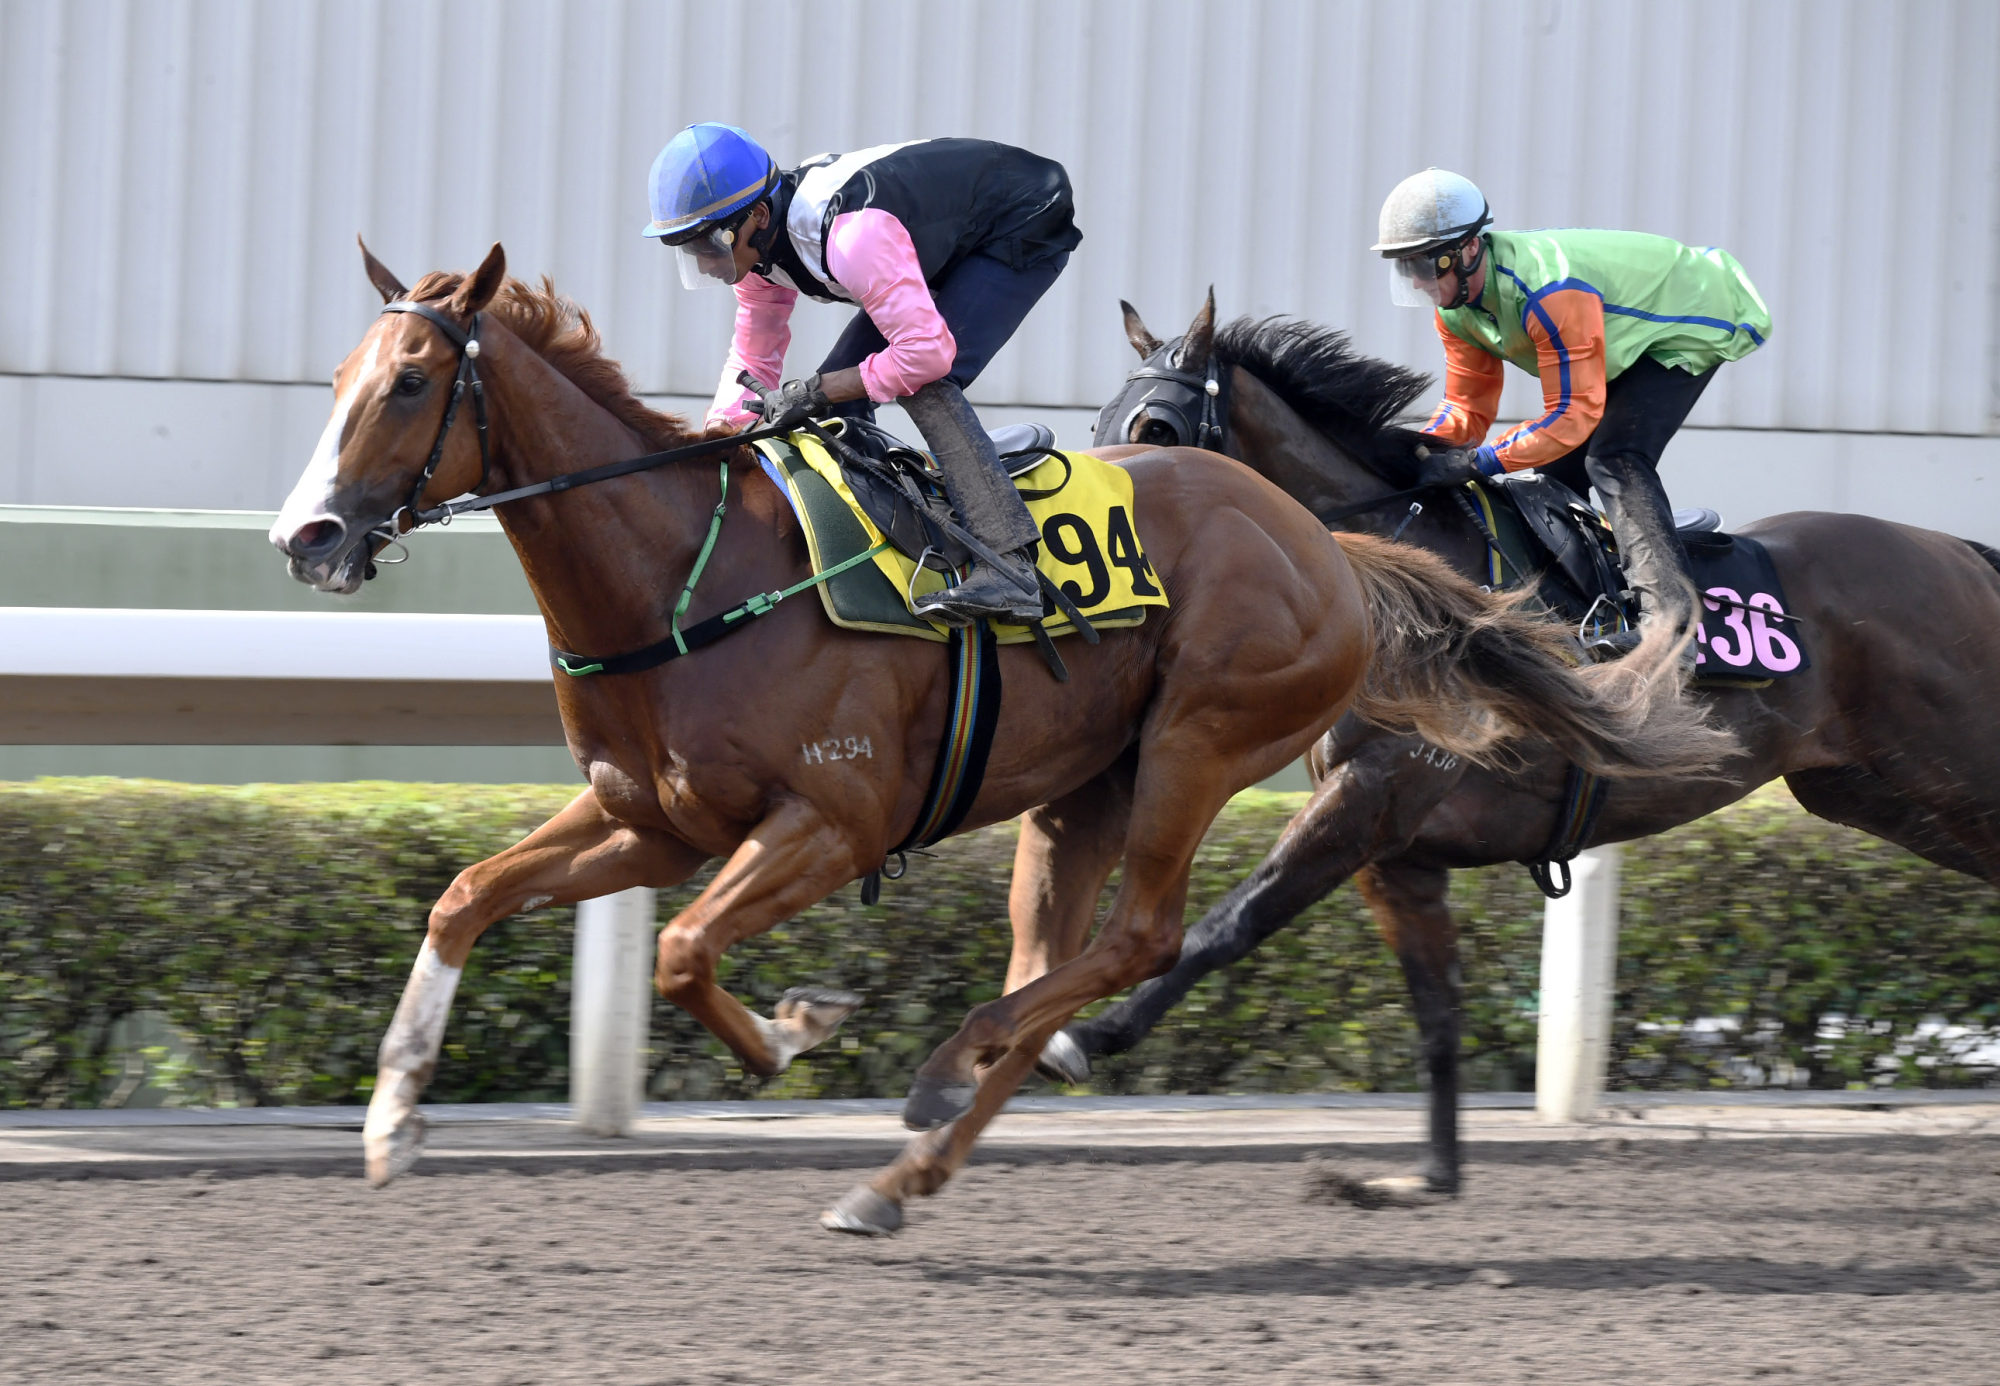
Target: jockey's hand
[[793, 402], [1446, 466]]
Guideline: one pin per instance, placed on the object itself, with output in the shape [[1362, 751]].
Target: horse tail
[[1472, 671]]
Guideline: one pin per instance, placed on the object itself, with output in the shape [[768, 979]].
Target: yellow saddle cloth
[[1089, 547]]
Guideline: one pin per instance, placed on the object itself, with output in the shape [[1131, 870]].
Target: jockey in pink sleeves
[[943, 244]]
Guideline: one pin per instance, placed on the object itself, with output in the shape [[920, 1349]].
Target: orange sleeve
[[1567, 328], [1472, 382]]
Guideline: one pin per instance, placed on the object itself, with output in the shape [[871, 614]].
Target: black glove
[[793, 402], [1446, 466]]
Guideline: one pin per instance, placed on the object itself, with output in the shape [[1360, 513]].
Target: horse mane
[[1355, 400], [559, 330]]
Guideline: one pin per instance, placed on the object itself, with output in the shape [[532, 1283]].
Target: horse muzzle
[[325, 552]]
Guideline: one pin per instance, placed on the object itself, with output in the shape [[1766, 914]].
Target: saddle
[[860, 491], [899, 489], [1571, 545], [1539, 530]]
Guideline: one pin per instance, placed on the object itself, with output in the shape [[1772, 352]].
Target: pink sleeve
[[869, 253], [763, 331]]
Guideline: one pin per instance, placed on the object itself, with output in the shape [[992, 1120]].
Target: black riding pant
[[1643, 409]]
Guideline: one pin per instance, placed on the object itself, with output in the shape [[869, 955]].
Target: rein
[[467, 342], [678, 642]]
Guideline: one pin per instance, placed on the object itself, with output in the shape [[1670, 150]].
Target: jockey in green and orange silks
[[1624, 330]]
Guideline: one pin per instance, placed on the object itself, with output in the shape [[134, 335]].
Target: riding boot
[[1656, 566], [988, 506]]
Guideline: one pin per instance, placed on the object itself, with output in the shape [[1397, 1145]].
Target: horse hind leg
[[1945, 824]]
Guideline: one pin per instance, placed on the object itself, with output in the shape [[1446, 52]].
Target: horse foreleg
[[1409, 906], [791, 860], [1370, 803], [965, 1083], [1065, 855], [581, 853]]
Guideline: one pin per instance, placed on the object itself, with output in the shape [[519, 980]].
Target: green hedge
[[273, 926]]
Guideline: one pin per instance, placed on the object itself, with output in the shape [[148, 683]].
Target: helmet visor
[[1413, 279], [707, 257]]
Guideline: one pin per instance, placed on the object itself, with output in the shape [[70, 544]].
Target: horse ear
[[476, 292], [1200, 340], [386, 284], [1143, 342]]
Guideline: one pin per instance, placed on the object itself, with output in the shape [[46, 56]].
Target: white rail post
[[610, 1001], [1579, 966]]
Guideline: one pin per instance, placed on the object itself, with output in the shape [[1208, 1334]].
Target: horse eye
[[411, 382], [1157, 434]]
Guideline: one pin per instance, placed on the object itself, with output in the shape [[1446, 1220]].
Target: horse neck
[[607, 561], [1272, 439]]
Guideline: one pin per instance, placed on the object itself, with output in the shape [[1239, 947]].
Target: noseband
[[1191, 405], [467, 341]]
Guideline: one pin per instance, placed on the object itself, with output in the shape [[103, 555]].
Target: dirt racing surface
[[1700, 1262]]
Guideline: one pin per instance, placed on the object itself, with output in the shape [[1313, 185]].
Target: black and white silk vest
[[956, 197]]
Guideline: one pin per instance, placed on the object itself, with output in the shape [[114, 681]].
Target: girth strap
[[974, 712], [1576, 819]]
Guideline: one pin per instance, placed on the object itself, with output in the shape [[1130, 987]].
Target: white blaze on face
[[311, 497]]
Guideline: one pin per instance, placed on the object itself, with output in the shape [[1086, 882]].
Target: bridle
[[1190, 405], [1195, 409], [466, 339], [679, 641]]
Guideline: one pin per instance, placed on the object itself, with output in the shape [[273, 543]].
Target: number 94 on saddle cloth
[[1082, 504]]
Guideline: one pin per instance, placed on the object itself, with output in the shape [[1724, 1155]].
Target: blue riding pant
[[981, 299]]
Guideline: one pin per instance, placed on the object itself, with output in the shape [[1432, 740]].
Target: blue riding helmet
[[704, 177]]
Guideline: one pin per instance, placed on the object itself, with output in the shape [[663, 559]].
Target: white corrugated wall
[[181, 180]]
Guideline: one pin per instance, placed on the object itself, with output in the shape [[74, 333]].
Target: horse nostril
[[319, 537]]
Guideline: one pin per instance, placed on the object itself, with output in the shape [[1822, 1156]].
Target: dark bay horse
[[1889, 730], [1271, 630]]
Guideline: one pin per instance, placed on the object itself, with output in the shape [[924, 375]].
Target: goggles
[[707, 253], [1413, 279]]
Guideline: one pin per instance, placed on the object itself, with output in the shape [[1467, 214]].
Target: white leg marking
[[410, 1049], [778, 1038]]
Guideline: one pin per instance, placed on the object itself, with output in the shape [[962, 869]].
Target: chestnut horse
[[1883, 732], [1269, 635]]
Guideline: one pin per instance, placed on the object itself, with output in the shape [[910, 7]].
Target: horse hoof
[[817, 1005], [810, 1015], [932, 1104], [864, 1213], [1063, 1060], [1328, 1185], [391, 1154], [1404, 1191]]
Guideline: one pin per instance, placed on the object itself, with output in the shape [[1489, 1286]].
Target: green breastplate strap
[[680, 642]]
